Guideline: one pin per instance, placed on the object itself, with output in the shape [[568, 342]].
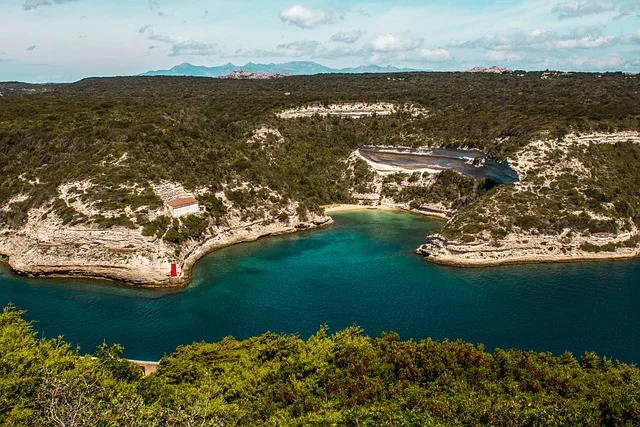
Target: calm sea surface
[[359, 271]]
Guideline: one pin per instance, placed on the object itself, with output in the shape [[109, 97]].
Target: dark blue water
[[361, 270]]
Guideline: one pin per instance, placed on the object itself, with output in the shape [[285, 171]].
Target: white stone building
[[182, 207]]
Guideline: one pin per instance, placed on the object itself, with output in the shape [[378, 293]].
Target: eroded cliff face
[[48, 245], [565, 208], [521, 248], [353, 110], [424, 190]]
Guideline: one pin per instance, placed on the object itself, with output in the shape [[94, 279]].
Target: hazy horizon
[[239, 67], [67, 40]]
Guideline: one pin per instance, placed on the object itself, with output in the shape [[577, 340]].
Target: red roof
[[179, 203]]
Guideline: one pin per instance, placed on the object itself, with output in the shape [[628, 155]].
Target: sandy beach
[[348, 207]]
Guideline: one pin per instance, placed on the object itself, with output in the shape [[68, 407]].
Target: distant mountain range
[[294, 68]]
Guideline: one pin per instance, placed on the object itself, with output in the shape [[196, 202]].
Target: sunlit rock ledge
[[354, 110]]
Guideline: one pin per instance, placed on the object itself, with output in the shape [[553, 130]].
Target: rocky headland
[[554, 214], [96, 173], [484, 227], [527, 249], [546, 214], [47, 246]]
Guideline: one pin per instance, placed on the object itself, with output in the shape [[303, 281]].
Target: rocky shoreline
[[24, 255], [48, 246], [220, 242], [439, 251], [541, 164]]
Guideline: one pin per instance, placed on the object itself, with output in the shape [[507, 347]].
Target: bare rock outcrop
[[47, 245], [546, 166], [353, 110], [491, 70], [522, 249]]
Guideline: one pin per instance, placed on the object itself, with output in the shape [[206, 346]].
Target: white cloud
[[181, 46], [299, 48], [347, 37], [505, 55], [611, 60], [396, 49], [526, 29], [389, 48], [575, 9], [584, 42], [626, 10], [395, 43], [338, 52], [435, 55], [607, 62], [633, 38], [543, 39], [34, 4], [302, 48], [304, 17]]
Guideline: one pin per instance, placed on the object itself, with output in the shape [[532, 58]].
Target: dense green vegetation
[[448, 187], [342, 379], [610, 189], [124, 132]]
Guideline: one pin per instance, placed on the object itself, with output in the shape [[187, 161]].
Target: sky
[[66, 40]]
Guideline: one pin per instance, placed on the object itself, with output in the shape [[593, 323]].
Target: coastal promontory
[[136, 178]]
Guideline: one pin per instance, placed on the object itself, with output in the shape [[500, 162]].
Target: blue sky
[[65, 40]]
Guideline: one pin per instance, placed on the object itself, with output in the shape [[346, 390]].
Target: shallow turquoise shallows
[[361, 270]]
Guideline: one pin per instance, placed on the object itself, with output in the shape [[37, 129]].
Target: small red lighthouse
[[174, 270]]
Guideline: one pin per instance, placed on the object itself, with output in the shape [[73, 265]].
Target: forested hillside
[[89, 167], [195, 130], [343, 378]]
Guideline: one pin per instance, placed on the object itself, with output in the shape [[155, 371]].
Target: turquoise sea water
[[361, 270]]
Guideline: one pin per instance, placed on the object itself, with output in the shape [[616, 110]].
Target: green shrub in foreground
[[340, 379]]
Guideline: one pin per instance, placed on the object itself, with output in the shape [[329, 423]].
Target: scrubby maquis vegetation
[[122, 133], [586, 188], [448, 186], [340, 379]]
